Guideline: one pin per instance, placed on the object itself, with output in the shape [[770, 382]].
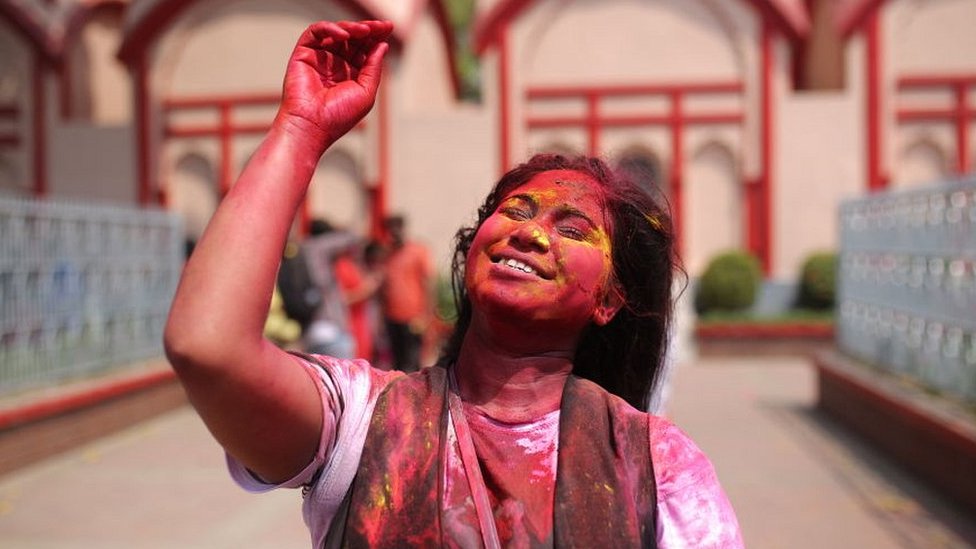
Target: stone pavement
[[795, 479]]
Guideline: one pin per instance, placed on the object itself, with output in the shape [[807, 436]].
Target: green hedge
[[730, 282], [818, 281]]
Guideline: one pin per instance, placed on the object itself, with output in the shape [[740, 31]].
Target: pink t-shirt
[[519, 466]]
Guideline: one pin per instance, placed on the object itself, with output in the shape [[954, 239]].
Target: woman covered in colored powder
[[528, 432]]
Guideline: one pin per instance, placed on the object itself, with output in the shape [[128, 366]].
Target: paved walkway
[[796, 480]]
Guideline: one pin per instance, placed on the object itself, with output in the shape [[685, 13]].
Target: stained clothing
[[604, 493], [691, 508]]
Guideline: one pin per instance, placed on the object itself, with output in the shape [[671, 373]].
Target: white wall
[[819, 160]]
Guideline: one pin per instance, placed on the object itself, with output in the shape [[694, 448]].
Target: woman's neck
[[512, 385]]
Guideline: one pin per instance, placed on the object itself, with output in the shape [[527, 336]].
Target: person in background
[[374, 257], [359, 286], [329, 332], [406, 295]]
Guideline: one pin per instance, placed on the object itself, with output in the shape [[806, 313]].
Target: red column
[[226, 137], [141, 97], [764, 203], [873, 37], [593, 123], [380, 191], [39, 122], [504, 106], [962, 127], [677, 171]]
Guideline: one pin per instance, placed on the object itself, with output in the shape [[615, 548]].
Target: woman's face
[[544, 254]]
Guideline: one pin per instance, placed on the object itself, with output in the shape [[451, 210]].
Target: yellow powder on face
[[540, 237]]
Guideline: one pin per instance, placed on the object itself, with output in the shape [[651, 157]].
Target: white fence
[[907, 284], [82, 288]]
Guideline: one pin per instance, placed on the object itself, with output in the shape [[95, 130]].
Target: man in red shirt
[[406, 295]]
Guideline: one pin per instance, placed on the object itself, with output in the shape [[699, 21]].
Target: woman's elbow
[[187, 346]]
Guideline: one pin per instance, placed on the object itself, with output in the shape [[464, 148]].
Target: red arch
[[790, 17]]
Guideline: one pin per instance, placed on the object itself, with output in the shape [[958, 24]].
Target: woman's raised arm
[[255, 398]]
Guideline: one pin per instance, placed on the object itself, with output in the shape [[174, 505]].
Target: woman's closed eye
[[516, 212], [572, 232]]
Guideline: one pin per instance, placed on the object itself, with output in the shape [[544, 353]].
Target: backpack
[[300, 296]]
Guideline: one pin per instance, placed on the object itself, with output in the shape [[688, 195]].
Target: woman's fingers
[[372, 68], [322, 33]]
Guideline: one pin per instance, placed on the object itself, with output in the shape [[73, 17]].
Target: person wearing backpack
[[311, 292]]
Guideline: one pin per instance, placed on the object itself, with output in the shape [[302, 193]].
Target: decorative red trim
[[43, 409], [224, 130], [39, 129], [960, 115], [29, 29], [504, 101], [213, 101], [793, 21], [143, 130], [676, 120], [9, 112], [937, 80], [555, 92], [752, 225], [963, 114], [790, 18], [853, 15], [447, 34], [538, 122], [379, 205], [226, 149], [593, 123], [492, 27], [763, 215], [677, 183], [876, 180], [146, 30]]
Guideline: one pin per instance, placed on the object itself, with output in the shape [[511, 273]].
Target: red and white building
[[754, 117]]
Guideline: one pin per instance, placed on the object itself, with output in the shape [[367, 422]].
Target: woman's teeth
[[518, 265]]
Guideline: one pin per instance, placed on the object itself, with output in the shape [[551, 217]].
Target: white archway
[[337, 192], [193, 193], [922, 161], [713, 207]]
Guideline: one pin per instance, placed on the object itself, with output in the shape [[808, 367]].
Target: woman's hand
[[332, 79]]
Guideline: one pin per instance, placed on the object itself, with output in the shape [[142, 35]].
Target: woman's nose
[[531, 236]]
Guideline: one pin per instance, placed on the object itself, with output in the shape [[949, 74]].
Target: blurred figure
[[374, 258], [406, 295], [328, 333], [359, 288]]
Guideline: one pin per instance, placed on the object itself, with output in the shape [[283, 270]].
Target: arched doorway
[[193, 193], [921, 162], [337, 193], [713, 207]]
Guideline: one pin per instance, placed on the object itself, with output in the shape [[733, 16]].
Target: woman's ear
[[613, 299]]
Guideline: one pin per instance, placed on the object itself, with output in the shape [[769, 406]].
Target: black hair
[[626, 355]]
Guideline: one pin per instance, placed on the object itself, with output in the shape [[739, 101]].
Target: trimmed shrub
[[730, 283], [818, 281]]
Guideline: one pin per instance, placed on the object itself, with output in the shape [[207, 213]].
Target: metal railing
[[907, 284], [83, 288]]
